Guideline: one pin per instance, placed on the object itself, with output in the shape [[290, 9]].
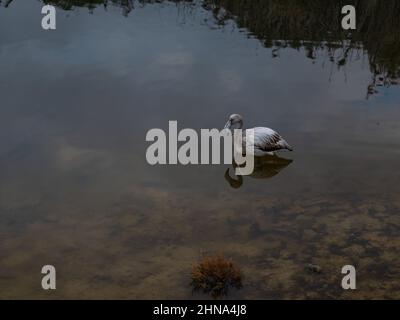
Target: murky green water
[[76, 190]]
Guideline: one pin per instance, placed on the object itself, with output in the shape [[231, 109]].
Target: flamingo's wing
[[268, 140]]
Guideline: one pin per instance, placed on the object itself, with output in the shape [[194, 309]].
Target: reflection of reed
[[264, 168], [316, 25], [126, 5], [7, 3]]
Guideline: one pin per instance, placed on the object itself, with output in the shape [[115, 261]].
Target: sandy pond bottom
[[120, 254]]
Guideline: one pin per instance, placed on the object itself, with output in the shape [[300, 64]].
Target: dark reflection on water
[[316, 26], [264, 168], [75, 188]]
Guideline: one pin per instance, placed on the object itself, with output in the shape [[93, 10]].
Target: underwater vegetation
[[215, 274]]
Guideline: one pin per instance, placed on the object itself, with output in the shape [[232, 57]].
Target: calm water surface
[[76, 190]]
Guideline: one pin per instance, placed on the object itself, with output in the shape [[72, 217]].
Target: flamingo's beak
[[228, 125]]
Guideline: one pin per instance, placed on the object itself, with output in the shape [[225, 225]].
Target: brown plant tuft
[[215, 275]]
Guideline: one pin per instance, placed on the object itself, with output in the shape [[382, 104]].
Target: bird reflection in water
[[264, 168]]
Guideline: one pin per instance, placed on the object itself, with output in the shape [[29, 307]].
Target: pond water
[[76, 190]]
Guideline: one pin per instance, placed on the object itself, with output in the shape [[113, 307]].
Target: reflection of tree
[[315, 25]]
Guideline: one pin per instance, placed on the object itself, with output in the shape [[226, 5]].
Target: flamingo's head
[[235, 122]]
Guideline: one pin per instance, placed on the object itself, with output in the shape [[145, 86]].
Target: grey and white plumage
[[262, 140]]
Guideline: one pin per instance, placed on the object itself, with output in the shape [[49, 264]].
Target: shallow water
[[76, 190]]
